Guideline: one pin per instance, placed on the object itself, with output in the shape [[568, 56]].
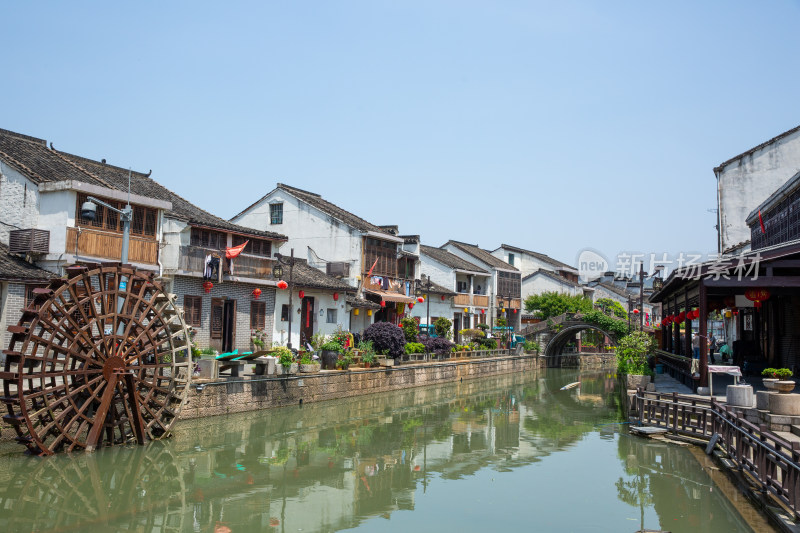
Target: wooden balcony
[[480, 300], [515, 303], [193, 259], [461, 299], [107, 245]]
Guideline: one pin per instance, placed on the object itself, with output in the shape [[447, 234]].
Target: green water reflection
[[507, 453]]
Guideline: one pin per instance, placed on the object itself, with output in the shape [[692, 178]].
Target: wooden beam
[[762, 281]]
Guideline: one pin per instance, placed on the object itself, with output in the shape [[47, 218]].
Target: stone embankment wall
[[236, 396]]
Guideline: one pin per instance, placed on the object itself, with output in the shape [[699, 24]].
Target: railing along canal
[[772, 463]]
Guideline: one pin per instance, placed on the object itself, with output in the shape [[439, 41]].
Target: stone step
[[788, 436], [796, 430]]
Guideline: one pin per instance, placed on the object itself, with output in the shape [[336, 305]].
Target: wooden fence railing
[[769, 461]]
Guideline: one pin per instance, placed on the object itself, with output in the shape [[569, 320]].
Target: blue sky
[[552, 126]]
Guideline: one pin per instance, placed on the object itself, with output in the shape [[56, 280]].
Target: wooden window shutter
[[216, 318]]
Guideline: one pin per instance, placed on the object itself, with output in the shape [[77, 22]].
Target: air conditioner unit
[[340, 269], [29, 241]]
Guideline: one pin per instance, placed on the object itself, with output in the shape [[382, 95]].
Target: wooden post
[[703, 335]]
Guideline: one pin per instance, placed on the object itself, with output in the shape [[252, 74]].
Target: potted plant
[[330, 354], [778, 379], [307, 365], [344, 361], [367, 351], [632, 353], [286, 364]]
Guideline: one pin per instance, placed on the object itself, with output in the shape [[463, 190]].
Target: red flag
[[230, 253], [370, 268], [761, 221]]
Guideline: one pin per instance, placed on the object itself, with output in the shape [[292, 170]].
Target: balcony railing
[[105, 245], [464, 298], [193, 259], [480, 300]]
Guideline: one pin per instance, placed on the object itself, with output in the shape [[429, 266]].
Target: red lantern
[[256, 293], [515, 311], [442, 297], [282, 285], [483, 311], [207, 285], [756, 296], [335, 296], [301, 294], [735, 311], [383, 304], [635, 311], [411, 306], [682, 317], [420, 299], [757, 303]]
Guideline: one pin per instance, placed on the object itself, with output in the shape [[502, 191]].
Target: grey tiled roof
[[552, 275], [481, 254], [13, 268], [446, 258], [542, 257], [756, 148], [436, 289], [42, 164], [309, 277], [362, 303]]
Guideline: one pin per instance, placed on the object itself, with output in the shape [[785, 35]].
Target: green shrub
[[632, 352], [531, 346], [410, 328], [443, 327], [284, 355], [332, 346], [779, 373], [415, 347]]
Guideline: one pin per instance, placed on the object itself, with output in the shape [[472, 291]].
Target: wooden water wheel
[[97, 359]]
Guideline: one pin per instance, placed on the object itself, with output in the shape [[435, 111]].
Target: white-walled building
[[505, 286], [744, 181], [342, 245], [547, 281], [469, 284]]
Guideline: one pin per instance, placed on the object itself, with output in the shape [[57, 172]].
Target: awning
[[392, 296]]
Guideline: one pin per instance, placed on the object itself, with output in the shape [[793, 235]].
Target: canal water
[[507, 453]]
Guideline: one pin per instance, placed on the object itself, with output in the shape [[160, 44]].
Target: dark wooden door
[[306, 320], [229, 326], [457, 327], [216, 323]]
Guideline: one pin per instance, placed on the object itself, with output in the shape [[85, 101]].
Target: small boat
[[570, 386]]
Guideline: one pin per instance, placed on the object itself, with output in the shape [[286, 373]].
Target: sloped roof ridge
[[332, 209], [22, 166], [553, 276], [756, 148], [449, 259], [299, 190], [489, 259], [23, 137], [536, 254]]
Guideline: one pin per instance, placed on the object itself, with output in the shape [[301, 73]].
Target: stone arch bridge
[[553, 334]]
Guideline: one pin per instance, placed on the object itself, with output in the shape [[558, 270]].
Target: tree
[[442, 327], [607, 304], [548, 304]]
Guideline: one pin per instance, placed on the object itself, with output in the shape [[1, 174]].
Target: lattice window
[[192, 309], [258, 315], [143, 223], [260, 247], [204, 238], [385, 253], [276, 213], [509, 284]]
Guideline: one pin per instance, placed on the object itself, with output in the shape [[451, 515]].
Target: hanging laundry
[[408, 288], [211, 271], [385, 285]]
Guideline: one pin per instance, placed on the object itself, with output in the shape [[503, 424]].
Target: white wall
[[308, 227], [746, 182], [540, 283], [525, 263], [323, 300], [438, 308], [19, 201], [56, 214], [175, 233]]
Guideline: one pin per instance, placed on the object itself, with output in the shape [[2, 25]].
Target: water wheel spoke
[[100, 414]]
